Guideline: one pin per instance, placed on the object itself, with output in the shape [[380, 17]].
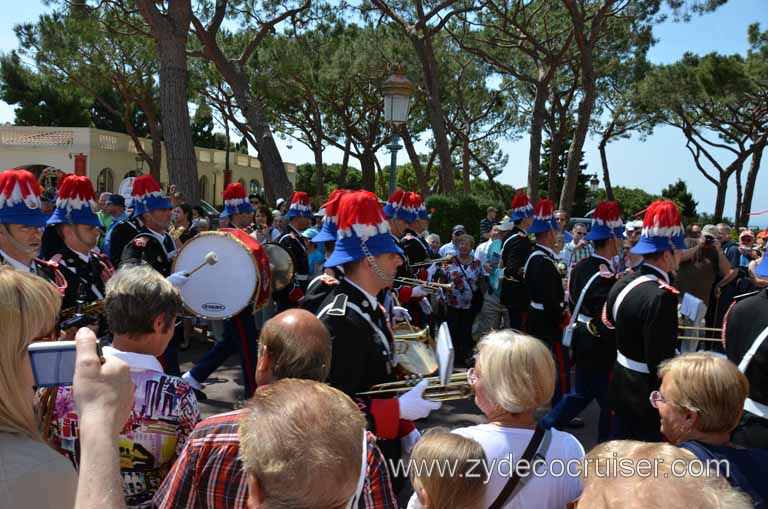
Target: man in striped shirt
[[209, 472]]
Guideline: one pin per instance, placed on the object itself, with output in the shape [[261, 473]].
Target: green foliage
[[584, 201], [449, 210], [678, 193], [305, 178], [632, 200]]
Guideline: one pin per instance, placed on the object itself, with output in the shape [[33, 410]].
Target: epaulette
[[140, 242], [605, 271], [51, 264], [408, 236], [744, 295], [339, 305], [668, 287]]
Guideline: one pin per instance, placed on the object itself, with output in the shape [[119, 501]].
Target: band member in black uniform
[[299, 219], [79, 227], [362, 341], [514, 253], [240, 332], [414, 244], [151, 244], [745, 330], [545, 290], [643, 309], [21, 226], [592, 344]]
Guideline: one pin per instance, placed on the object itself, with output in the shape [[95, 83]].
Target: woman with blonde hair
[[700, 402], [28, 309], [514, 375], [448, 471]]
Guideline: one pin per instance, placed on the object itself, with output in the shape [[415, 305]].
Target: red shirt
[[209, 473]]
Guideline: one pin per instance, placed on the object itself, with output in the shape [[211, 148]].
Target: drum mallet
[[210, 259]]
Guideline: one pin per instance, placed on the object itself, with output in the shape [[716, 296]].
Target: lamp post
[[397, 90], [594, 185]]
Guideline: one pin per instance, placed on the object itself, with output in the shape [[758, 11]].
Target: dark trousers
[[562, 357], [545, 327], [589, 384], [240, 335], [460, 324], [516, 319], [170, 357]]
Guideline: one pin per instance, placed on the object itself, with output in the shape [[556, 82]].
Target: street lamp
[[397, 91], [594, 185]]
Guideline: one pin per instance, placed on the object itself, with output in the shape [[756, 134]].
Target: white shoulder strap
[[640, 280], [530, 257], [575, 314], [380, 336], [744, 364]]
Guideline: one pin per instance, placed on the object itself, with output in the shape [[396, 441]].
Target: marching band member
[[21, 226], [417, 250], [545, 289], [745, 330], [592, 344], [240, 333], [78, 226], [400, 212], [144, 239], [643, 309], [299, 219], [362, 340], [514, 253]]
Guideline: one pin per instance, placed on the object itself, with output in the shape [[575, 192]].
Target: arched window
[[254, 187], [203, 187], [105, 183], [49, 178]]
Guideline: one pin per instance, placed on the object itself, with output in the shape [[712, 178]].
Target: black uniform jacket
[[746, 320], [545, 288], [362, 353], [587, 350], [646, 332], [122, 234], [85, 279], [416, 248], [147, 248], [514, 252]]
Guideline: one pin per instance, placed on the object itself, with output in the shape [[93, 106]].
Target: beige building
[[108, 158]]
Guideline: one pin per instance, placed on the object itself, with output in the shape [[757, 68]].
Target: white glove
[[178, 279], [409, 441], [418, 291], [426, 307], [400, 314], [413, 406]]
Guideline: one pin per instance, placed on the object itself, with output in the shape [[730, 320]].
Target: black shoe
[[200, 395], [576, 423]]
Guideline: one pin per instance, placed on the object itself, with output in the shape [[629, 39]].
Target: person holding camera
[[702, 265]]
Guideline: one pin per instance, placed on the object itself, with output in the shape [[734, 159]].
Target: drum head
[[222, 290]]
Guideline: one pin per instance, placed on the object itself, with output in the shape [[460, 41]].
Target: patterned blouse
[[465, 280], [165, 412]]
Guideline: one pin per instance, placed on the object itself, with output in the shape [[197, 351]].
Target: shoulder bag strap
[[514, 479]]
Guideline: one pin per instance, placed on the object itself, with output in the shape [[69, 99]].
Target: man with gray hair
[[141, 308]]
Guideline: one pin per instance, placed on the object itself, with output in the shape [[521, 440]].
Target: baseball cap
[[746, 233], [280, 201], [309, 233], [710, 230], [116, 199], [459, 228]]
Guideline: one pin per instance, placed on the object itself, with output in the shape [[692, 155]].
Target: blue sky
[[651, 165]]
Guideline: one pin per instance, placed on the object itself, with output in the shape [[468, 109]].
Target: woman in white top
[[513, 376], [31, 473]]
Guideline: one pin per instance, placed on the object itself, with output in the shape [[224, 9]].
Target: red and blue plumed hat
[[662, 229], [521, 207], [147, 196], [418, 204], [544, 217], [331, 209], [399, 206], [76, 202], [362, 229], [300, 206], [235, 200], [606, 222], [20, 199]]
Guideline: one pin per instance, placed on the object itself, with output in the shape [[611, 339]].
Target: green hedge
[[468, 210]]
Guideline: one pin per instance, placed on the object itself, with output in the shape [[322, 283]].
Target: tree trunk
[[171, 39], [368, 169], [579, 136], [465, 167], [722, 190], [342, 182], [435, 109], [739, 198], [534, 152], [415, 162], [319, 173], [555, 141], [749, 187], [606, 174]]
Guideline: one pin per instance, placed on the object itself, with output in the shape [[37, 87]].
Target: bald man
[[293, 344]]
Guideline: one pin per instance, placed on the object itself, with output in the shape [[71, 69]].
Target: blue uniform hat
[[300, 206], [544, 217], [606, 222], [20, 199], [521, 207], [662, 229], [235, 200], [762, 269], [76, 203], [147, 196], [362, 230], [400, 206], [329, 231]]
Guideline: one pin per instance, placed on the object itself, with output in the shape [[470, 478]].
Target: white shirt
[[16, 264], [135, 361], [545, 492], [451, 249], [481, 253]]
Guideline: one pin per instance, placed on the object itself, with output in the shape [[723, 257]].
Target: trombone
[[427, 263], [432, 288], [694, 329], [457, 388]]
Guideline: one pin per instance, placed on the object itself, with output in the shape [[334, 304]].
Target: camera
[[708, 239]]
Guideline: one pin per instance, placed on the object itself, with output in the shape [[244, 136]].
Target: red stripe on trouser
[[561, 367], [250, 374]]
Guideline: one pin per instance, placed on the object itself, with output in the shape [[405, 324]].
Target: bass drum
[[241, 276]]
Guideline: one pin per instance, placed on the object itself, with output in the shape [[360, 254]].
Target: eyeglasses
[[656, 398], [471, 376]]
